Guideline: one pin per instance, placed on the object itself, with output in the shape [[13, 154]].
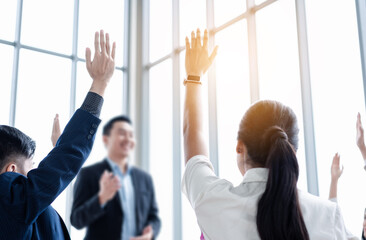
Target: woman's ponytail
[[279, 214], [270, 133]]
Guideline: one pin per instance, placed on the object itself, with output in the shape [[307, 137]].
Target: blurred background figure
[[113, 199]]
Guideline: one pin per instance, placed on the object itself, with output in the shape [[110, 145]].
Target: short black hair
[[108, 126], [13, 142]]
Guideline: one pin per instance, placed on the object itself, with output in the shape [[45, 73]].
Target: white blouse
[[227, 212]]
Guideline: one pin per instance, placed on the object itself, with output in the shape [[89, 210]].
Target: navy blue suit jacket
[[25, 211], [106, 223]]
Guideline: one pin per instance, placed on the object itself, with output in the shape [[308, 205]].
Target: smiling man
[[113, 199]]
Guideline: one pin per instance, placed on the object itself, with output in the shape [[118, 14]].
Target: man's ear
[[105, 140], [11, 167], [240, 147]]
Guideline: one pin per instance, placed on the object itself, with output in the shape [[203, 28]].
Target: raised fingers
[[198, 38], [114, 50], [205, 40], [88, 58], [187, 44], [193, 40], [102, 41], [336, 160], [358, 120], [96, 42], [107, 45]]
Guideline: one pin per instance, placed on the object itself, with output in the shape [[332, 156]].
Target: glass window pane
[[160, 28], [43, 91], [6, 63], [161, 162], [224, 12], [8, 12], [192, 16], [233, 95], [96, 15], [337, 90], [48, 24], [278, 61]]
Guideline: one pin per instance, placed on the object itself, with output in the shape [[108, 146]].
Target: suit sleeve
[[27, 197], [153, 218], [86, 207]]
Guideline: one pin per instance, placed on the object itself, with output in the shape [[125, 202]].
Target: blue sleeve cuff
[[93, 104]]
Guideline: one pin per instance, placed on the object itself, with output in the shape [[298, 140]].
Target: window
[[48, 25], [8, 11], [224, 11], [278, 63], [161, 162], [6, 63], [111, 21], [160, 28], [274, 66], [37, 107], [46, 59], [336, 80], [187, 9], [233, 95]]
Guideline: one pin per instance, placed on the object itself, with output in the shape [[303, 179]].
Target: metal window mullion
[[74, 58], [162, 59], [252, 50], [144, 85], [212, 97], [35, 49], [7, 42], [307, 105], [14, 83], [361, 22], [126, 58], [176, 131]]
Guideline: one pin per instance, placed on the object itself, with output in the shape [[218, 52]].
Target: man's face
[[121, 141]]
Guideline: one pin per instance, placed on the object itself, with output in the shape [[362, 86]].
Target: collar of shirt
[[117, 170], [256, 175]]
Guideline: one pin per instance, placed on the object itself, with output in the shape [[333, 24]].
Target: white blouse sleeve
[[341, 231], [197, 179]]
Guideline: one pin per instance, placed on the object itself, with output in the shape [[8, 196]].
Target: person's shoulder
[[140, 172], [11, 178], [142, 175], [315, 200], [95, 168], [312, 205]]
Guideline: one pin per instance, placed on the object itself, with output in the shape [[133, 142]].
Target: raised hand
[[147, 234], [102, 67], [360, 133], [56, 131], [197, 58], [336, 171], [108, 187]]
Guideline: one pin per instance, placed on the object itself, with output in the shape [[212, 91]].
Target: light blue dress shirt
[[127, 197]]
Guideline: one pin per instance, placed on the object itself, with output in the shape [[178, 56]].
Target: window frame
[[75, 59]]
